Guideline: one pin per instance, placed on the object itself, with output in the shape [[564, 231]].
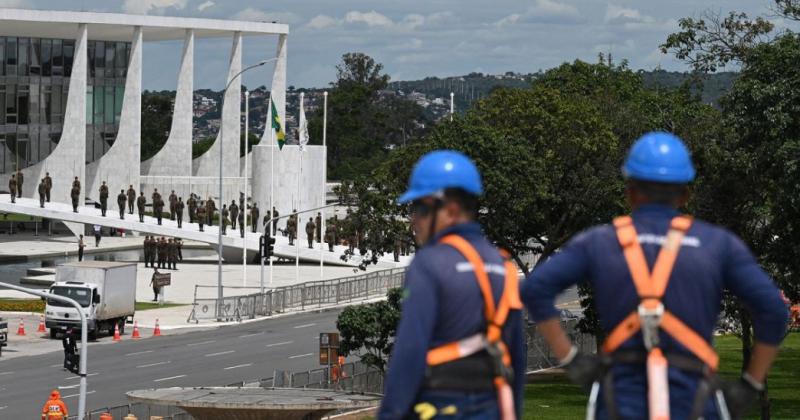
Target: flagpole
[[299, 202], [324, 183], [246, 167], [271, 178]]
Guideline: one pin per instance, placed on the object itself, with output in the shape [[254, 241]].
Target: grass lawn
[[143, 306], [37, 305], [14, 217], [558, 399]]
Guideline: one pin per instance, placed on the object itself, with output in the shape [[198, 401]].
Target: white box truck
[[106, 290]]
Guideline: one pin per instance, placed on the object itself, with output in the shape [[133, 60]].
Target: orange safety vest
[[495, 317], [54, 410], [650, 316]]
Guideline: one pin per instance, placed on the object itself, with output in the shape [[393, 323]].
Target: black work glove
[[740, 396], [584, 370]]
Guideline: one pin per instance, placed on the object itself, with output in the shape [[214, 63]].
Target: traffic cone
[[21, 329], [106, 416], [157, 331], [135, 334], [41, 328], [116, 333]]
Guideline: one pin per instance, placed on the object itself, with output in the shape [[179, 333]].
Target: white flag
[[303, 129]]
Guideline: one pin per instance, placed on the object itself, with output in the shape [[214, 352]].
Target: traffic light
[[265, 246]]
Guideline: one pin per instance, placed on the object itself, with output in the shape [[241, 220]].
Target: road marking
[[238, 366], [300, 355], [279, 344], [250, 335], [220, 353], [139, 352], [78, 377], [201, 343], [3, 407], [69, 386], [56, 365], [9, 373], [153, 364], [171, 377], [75, 395], [305, 326]]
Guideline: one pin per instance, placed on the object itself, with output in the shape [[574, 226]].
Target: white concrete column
[[208, 164], [119, 166], [68, 159], [175, 157]]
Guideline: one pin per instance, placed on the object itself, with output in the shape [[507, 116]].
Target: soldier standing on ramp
[[48, 182], [20, 178], [192, 204], [254, 217], [173, 201], [42, 189], [12, 187], [318, 224], [201, 215], [223, 220], [234, 209], [75, 194], [140, 204], [310, 232], [103, 198], [179, 212], [121, 199], [131, 198]]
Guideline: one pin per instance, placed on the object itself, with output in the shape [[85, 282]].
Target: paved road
[[217, 357]]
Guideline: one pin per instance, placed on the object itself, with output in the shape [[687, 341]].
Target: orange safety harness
[[650, 316], [491, 339]]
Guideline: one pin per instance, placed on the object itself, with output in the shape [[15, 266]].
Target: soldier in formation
[[191, 203], [234, 211], [201, 215], [12, 187], [210, 209], [131, 198], [178, 246], [75, 194], [20, 178], [179, 212], [310, 228], [241, 223], [254, 213], [141, 202], [172, 254], [103, 198], [121, 200], [275, 216], [330, 235], [291, 226], [223, 220], [158, 205], [48, 184], [42, 190], [146, 249], [318, 224], [173, 205]]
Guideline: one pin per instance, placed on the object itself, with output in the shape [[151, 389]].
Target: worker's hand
[[740, 396], [583, 369]]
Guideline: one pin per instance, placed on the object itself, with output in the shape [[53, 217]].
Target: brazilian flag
[[276, 125]]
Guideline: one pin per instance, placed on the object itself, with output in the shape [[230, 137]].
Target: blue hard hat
[[442, 169], [659, 157]]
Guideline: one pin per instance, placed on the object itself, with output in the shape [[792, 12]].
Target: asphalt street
[[211, 357]]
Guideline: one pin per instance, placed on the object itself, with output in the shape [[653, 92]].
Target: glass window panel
[[55, 107], [118, 100], [109, 59], [22, 107], [24, 49], [109, 105], [2, 105], [89, 105], [58, 58], [47, 64], [2, 56], [90, 47], [36, 56], [33, 105], [99, 56], [98, 104], [47, 103], [69, 52], [11, 56], [11, 104]]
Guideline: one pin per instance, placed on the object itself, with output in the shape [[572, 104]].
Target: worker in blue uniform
[[460, 347], [658, 279]]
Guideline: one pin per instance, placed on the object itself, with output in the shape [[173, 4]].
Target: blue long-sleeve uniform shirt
[[443, 303], [710, 259]]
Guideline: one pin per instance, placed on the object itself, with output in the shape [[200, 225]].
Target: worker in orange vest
[[54, 408]]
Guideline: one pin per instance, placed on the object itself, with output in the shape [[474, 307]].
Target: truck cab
[[3, 334], [62, 315]]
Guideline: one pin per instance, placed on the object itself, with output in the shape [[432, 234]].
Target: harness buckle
[[650, 319], [499, 369]]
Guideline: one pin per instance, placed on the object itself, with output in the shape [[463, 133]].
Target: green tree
[[156, 121], [368, 330]]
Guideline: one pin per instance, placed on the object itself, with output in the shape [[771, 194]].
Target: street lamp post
[[221, 144]]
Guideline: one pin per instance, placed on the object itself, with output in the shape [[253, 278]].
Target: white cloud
[[321, 22], [14, 4], [544, 11], [410, 45], [205, 5], [143, 7], [618, 14], [255, 15], [511, 19], [372, 18], [551, 8]]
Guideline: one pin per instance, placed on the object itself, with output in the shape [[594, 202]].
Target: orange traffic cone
[[106, 416], [116, 333], [135, 334], [157, 331], [21, 329], [41, 328]]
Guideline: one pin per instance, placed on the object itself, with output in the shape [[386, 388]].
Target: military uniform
[[42, 189], [318, 224], [234, 209], [75, 195], [121, 199], [310, 232], [254, 213], [153, 251], [223, 221], [178, 246], [48, 183], [173, 207], [172, 255], [158, 206], [210, 208], [330, 236], [20, 178], [162, 253], [291, 227], [131, 199], [12, 188], [103, 198], [192, 204], [201, 215], [241, 223], [140, 204], [179, 212], [275, 216]]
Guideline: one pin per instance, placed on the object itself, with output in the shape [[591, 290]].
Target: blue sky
[[414, 39]]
